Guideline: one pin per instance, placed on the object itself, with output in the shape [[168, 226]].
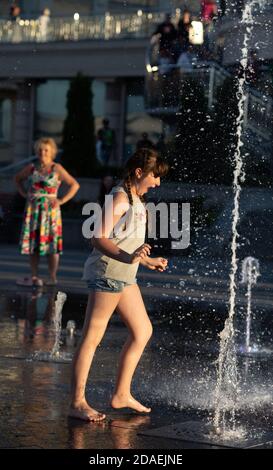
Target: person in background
[[16, 29], [165, 62], [209, 13], [14, 12], [144, 142], [167, 34], [187, 60], [108, 142], [183, 30], [41, 232], [44, 21], [209, 10]]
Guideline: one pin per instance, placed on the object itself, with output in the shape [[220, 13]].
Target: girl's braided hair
[[149, 161]]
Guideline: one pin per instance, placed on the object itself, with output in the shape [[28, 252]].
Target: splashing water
[[70, 327], [54, 355], [250, 270], [227, 386], [250, 273], [59, 302]]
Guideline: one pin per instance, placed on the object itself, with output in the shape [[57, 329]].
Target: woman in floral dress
[[42, 223]]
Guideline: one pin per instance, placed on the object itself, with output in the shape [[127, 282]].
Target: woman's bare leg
[[133, 312], [34, 262], [53, 264], [99, 309]]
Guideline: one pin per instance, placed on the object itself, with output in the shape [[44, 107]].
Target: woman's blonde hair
[[46, 141]]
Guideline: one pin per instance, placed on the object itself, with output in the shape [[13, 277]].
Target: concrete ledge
[[112, 58]]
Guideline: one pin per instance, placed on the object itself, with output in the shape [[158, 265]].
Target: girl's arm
[[144, 262], [156, 264], [20, 177], [70, 181], [111, 214]]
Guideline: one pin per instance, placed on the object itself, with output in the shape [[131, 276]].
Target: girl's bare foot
[[119, 401], [85, 412]]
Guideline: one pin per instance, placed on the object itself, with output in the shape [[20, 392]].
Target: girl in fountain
[[110, 272], [41, 232]]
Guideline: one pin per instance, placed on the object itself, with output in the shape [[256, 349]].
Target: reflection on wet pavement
[[176, 375]]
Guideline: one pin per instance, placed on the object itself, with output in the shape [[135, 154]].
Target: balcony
[[165, 85], [101, 27]]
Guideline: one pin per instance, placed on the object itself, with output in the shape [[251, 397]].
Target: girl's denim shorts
[[107, 285]]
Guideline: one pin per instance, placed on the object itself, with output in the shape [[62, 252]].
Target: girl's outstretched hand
[[140, 253], [157, 264]]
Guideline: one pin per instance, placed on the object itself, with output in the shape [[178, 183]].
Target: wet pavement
[[35, 394], [176, 375]]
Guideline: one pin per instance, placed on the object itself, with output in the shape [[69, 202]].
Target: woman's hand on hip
[[55, 203], [59, 202]]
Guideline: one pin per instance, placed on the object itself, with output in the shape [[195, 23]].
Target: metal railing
[[164, 85], [108, 26], [92, 27]]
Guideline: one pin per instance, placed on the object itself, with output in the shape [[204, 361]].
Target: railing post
[[107, 25]]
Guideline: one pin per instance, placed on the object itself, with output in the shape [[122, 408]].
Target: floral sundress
[[42, 222]]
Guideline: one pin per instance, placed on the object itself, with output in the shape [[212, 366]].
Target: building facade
[[33, 93], [90, 7], [35, 73]]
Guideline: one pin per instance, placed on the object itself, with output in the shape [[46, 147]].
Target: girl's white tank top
[[128, 234]]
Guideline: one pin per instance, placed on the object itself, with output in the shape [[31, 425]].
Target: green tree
[[79, 151]]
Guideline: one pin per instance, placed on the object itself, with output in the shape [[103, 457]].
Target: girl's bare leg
[[133, 312], [53, 264], [34, 262], [99, 309]]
